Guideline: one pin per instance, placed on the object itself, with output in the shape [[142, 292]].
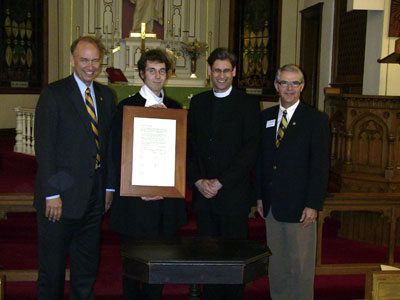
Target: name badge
[[270, 123]]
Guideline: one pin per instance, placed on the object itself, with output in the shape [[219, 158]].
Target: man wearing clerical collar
[[223, 135], [144, 217]]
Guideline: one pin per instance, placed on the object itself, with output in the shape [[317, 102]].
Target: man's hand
[[153, 198], [260, 208], [53, 209], [215, 185], [308, 216], [109, 199], [206, 188]]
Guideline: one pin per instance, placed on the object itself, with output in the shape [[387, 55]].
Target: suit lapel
[[76, 98], [271, 131], [295, 121], [100, 111]]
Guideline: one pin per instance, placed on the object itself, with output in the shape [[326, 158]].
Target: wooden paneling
[[394, 25], [310, 49], [364, 158], [348, 48], [357, 213]]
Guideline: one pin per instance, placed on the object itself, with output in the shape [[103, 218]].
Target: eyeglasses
[[219, 71], [85, 61], [153, 71], [285, 83]]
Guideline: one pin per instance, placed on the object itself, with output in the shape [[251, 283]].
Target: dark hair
[[222, 54], [289, 68], [156, 55], [90, 40]]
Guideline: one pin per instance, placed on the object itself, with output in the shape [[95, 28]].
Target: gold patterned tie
[[282, 128], [93, 122]]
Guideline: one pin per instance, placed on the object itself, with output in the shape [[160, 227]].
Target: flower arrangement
[[194, 49]]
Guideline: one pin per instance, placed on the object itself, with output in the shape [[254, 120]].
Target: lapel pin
[[294, 123], [101, 98]]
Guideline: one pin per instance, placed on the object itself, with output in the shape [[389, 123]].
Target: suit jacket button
[[274, 167]]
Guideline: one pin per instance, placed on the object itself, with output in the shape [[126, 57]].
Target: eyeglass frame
[[294, 84]]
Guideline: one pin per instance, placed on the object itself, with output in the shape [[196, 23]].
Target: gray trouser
[[291, 267]]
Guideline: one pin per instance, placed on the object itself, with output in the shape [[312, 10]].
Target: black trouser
[[209, 224], [80, 238]]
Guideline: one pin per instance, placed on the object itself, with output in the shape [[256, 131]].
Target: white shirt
[[289, 113]]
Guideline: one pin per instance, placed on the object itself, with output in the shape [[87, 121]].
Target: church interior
[[349, 51]]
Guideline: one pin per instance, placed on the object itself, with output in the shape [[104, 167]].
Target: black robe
[[132, 216]]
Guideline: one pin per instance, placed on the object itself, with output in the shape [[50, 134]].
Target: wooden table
[[195, 260]]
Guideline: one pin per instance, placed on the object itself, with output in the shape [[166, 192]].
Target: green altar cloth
[[179, 94]]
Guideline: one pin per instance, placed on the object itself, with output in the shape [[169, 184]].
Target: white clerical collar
[[151, 98], [223, 94]]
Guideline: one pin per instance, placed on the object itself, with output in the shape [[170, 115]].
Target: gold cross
[[143, 35]]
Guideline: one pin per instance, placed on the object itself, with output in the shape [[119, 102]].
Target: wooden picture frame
[[127, 188]]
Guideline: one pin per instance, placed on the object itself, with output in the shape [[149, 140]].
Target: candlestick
[[106, 37], [112, 34]]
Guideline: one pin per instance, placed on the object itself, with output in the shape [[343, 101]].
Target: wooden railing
[[387, 205], [25, 138]]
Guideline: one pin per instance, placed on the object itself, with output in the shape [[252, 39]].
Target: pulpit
[[365, 143], [195, 260], [365, 158]]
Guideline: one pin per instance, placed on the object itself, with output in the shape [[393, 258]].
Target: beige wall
[[290, 38]]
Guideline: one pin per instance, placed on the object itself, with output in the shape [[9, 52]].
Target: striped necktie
[[93, 122], [282, 128]]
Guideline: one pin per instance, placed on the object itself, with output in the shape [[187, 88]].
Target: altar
[[169, 25]]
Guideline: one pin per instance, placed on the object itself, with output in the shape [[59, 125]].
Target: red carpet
[[18, 248]]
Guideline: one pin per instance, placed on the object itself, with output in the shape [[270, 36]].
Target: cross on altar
[[143, 35]]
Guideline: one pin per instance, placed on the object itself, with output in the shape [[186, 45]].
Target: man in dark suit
[[144, 217], [72, 125], [223, 135], [291, 181]]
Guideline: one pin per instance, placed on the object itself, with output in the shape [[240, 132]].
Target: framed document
[[153, 161]]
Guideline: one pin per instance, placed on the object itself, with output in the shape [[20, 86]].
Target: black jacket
[[65, 146], [295, 175], [223, 136]]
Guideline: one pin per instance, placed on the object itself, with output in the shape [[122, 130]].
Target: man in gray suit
[[291, 180], [72, 124]]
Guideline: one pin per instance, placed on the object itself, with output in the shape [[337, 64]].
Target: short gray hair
[[289, 68]]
